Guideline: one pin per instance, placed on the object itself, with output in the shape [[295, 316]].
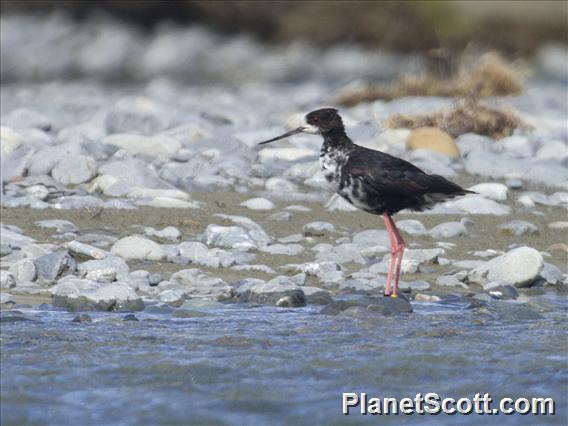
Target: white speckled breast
[[331, 162]]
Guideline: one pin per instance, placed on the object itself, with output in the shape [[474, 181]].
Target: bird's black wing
[[391, 176]]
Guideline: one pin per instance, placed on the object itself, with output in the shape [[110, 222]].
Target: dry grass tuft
[[469, 117], [491, 76]]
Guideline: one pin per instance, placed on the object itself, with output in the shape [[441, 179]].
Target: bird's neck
[[336, 139]]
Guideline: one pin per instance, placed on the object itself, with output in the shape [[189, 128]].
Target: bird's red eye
[[316, 120]]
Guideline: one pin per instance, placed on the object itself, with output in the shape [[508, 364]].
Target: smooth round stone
[[411, 227], [432, 139], [258, 204], [24, 270], [136, 247], [492, 190], [75, 169], [318, 229], [519, 267], [9, 141], [448, 230]]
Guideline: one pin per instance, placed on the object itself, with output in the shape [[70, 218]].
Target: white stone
[[103, 269], [137, 247], [74, 169], [519, 267], [229, 237], [258, 204], [411, 227], [197, 284], [492, 190], [448, 230], [9, 141], [555, 150]]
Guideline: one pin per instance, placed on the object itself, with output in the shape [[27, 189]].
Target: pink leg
[[393, 259], [399, 253]]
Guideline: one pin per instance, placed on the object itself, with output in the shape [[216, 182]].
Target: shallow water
[[263, 365]]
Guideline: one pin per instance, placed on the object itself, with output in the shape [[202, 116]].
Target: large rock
[[85, 295], [274, 293], [13, 238], [52, 266], [24, 271], [229, 237], [75, 169], [103, 269], [118, 178], [194, 284], [387, 306], [137, 247], [504, 311], [520, 267], [153, 146], [9, 140], [44, 160], [254, 230]]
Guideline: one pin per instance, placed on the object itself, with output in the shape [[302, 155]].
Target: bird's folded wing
[[389, 175]]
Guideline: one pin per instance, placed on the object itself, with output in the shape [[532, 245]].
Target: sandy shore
[[192, 222]]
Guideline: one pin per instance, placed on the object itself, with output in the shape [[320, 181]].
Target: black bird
[[373, 181]]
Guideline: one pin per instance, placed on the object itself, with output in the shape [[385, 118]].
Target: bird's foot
[[394, 296]]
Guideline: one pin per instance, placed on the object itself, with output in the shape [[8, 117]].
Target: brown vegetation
[[469, 117], [491, 76]]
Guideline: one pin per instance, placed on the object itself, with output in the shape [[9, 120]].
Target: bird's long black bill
[[285, 135]]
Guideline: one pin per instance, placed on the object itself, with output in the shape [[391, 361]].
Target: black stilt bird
[[373, 181]]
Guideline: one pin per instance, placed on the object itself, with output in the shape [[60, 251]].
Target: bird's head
[[320, 121]]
